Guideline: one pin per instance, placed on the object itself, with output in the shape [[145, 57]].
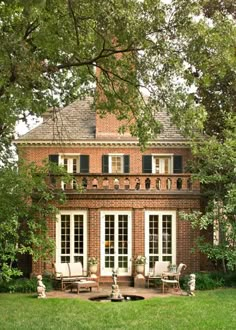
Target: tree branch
[[74, 21]]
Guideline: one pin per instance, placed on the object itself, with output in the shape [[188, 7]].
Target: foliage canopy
[[181, 53]]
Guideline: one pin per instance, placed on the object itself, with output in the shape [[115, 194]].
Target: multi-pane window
[[116, 242], [109, 241], [115, 163], [71, 165], [162, 164], [74, 164], [123, 241], [72, 237], [160, 237]]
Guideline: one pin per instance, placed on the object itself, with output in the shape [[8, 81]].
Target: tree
[[181, 53], [51, 48], [27, 202], [214, 165]]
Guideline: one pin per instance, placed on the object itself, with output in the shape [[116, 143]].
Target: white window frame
[[103, 270], [173, 239], [70, 158], [85, 238], [110, 163], [160, 156]]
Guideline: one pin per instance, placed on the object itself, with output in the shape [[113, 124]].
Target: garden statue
[[191, 285], [114, 276], [40, 287], [115, 291]]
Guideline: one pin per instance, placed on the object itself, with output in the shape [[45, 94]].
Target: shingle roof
[[77, 122]]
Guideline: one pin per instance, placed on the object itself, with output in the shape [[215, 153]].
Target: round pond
[[126, 298]]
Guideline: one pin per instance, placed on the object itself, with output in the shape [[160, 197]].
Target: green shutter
[[126, 163], [53, 159], [84, 164], [147, 164], [178, 164], [105, 168]]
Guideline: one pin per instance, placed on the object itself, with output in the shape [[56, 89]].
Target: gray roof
[[77, 122]]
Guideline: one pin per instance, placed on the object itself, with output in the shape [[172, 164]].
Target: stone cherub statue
[[115, 291], [191, 285], [41, 288], [114, 276]]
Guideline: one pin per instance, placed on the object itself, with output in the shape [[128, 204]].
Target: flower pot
[[140, 268], [93, 269]]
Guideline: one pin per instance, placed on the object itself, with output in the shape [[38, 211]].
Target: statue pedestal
[[139, 281], [115, 293]]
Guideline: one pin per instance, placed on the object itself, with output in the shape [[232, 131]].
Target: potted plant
[[93, 265], [139, 262]]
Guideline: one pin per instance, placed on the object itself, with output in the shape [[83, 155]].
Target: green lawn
[[207, 310]]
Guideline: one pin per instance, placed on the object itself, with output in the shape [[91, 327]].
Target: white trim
[[162, 155], [85, 237], [69, 154], [70, 158], [68, 143], [170, 158], [116, 154], [103, 271], [173, 239], [121, 155]]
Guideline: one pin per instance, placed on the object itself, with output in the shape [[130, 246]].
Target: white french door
[[160, 237], [115, 242], [71, 237]]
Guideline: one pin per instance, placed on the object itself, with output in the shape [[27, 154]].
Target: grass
[[207, 310]]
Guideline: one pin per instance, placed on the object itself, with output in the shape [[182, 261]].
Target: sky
[[22, 128]]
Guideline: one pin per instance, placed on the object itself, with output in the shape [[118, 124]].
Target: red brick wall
[[109, 126], [185, 236], [137, 203], [39, 153]]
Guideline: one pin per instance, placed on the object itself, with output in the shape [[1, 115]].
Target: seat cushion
[[76, 269]]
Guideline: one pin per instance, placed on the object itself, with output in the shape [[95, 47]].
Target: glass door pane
[[109, 242], [72, 238], [65, 238], [123, 243], [160, 237], [116, 243], [153, 240]]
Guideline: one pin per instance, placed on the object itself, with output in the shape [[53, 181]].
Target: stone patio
[[105, 290]]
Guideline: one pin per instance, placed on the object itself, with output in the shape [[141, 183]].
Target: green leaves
[[26, 204], [183, 60], [214, 165]]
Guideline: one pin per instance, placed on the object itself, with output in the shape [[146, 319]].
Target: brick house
[[131, 199]]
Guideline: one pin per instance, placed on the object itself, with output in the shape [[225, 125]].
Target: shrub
[[230, 279], [24, 285], [205, 281]]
